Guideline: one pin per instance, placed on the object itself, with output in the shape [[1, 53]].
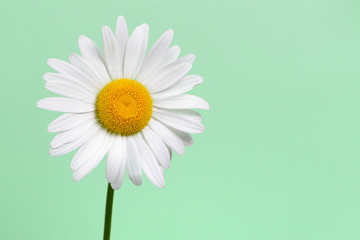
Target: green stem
[[108, 212]]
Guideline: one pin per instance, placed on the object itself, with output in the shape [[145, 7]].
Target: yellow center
[[124, 106]]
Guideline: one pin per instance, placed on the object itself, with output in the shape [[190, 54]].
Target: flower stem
[[108, 212]]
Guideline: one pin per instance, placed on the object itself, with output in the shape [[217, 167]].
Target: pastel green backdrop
[[280, 157]]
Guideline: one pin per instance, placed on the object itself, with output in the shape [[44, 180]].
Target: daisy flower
[[123, 102]]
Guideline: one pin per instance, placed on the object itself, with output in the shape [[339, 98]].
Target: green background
[[279, 159]]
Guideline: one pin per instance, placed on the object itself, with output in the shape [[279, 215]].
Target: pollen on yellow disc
[[124, 106]]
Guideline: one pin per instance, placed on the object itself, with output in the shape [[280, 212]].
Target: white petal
[[112, 53], [80, 83], [76, 143], [173, 141], [162, 171], [135, 51], [133, 161], [185, 137], [90, 155], [186, 59], [71, 70], [184, 101], [87, 150], [116, 161], [148, 162], [170, 151], [174, 120], [121, 34], [68, 121], [167, 77], [121, 173], [89, 50], [71, 90], [92, 54], [61, 104], [171, 55], [81, 64], [155, 55], [186, 114], [72, 134], [182, 86], [119, 179], [190, 58], [157, 146]]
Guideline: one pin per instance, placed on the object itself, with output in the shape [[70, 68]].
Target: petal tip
[[137, 180], [106, 29], [39, 103], [50, 61], [51, 153], [115, 187], [162, 185], [170, 32], [76, 177]]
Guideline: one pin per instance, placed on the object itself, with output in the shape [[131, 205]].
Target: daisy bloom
[[123, 102]]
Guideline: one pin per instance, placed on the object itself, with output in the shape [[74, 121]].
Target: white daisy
[[124, 103]]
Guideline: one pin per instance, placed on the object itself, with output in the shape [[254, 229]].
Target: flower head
[[124, 103]]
